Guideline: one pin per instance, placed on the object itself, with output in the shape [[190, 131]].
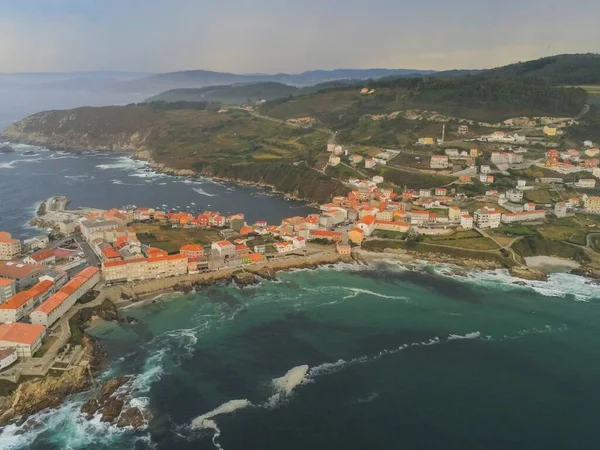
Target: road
[[90, 256]]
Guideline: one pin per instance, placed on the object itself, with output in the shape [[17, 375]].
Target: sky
[[272, 36]]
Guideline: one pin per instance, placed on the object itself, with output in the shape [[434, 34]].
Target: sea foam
[[205, 421]]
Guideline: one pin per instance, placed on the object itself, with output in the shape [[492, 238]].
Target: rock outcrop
[[33, 396], [528, 273]]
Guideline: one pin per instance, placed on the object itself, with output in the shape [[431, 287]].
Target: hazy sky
[[289, 36]]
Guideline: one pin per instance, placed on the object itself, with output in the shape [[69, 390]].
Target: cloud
[[281, 35]]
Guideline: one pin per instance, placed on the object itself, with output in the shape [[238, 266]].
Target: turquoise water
[[353, 357]]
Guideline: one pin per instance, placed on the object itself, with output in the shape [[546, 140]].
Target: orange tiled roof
[[18, 300], [5, 282], [23, 333], [191, 248], [53, 302]]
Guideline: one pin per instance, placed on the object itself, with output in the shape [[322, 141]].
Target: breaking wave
[[203, 192]]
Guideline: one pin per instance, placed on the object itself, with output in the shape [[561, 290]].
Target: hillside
[[475, 97], [235, 94], [188, 137], [238, 94], [570, 70]]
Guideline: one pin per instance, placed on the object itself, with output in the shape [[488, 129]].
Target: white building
[[223, 248], [25, 338], [454, 213], [466, 221], [560, 209], [424, 193], [439, 162], [7, 289], [586, 183], [524, 216], [514, 195], [369, 163], [487, 217], [485, 169], [58, 304], [506, 158]]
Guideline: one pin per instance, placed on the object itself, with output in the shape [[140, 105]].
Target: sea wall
[[266, 269]]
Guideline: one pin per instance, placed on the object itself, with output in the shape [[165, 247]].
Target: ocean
[[380, 356], [352, 357], [106, 180]]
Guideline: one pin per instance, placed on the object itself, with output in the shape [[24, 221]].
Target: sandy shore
[[549, 262]]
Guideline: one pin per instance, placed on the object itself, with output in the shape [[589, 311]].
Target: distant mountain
[[203, 78], [242, 93], [568, 69]]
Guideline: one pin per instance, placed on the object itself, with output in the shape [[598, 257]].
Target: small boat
[[29, 153]]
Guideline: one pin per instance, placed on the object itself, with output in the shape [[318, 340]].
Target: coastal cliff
[[233, 147]]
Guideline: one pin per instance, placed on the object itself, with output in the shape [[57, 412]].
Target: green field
[[172, 239]]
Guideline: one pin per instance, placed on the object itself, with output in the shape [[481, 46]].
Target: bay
[[395, 358], [102, 180]]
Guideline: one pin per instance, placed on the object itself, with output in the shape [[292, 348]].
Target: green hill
[[235, 94], [476, 97], [242, 93], [570, 70], [232, 145]]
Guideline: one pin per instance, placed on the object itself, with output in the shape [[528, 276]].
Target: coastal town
[[41, 280]]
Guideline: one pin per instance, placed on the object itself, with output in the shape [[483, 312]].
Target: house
[[44, 257], [451, 152], [487, 217], [463, 129], [356, 159], [439, 162], [466, 221], [441, 192], [25, 338], [529, 206], [424, 193], [356, 235], [369, 163], [464, 179], [223, 248], [9, 248], [485, 169], [549, 130], [367, 225]]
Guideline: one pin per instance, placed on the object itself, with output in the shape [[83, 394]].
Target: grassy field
[[514, 230], [542, 196], [571, 229], [463, 239], [388, 234], [171, 239]]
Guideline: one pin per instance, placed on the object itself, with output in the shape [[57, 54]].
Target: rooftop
[[22, 333], [11, 269]]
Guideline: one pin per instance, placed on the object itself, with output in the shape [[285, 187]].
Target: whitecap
[[473, 335], [203, 192], [205, 421]]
